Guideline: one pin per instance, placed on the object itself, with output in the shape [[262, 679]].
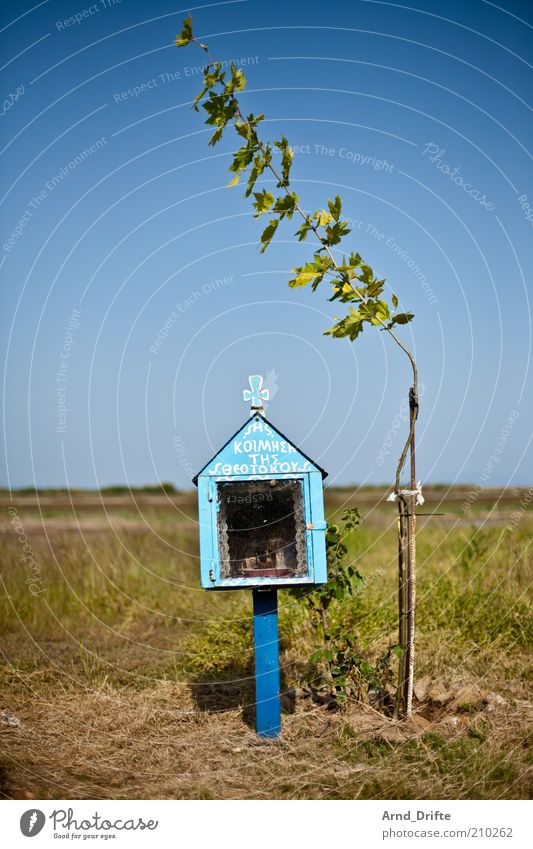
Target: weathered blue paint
[[258, 451], [267, 703]]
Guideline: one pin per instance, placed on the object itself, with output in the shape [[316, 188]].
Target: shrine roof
[[251, 419]]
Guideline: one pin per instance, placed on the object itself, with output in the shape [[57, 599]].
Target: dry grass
[[129, 682], [156, 743]]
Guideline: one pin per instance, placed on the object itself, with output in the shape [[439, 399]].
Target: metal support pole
[[266, 645]]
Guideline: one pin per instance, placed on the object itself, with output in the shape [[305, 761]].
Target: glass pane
[[261, 529]]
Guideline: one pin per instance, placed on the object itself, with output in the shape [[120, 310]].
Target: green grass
[[122, 619]]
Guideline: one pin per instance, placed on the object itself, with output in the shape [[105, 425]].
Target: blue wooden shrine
[[262, 527]]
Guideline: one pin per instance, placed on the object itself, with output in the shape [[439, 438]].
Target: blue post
[[267, 704]]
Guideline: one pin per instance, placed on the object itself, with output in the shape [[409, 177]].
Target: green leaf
[[221, 109], [234, 181], [217, 135], [213, 77], [287, 155], [185, 36], [351, 518], [403, 318], [286, 205], [242, 129], [333, 532], [268, 233], [335, 232], [304, 275], [198, 98], [322, 217], [261, 162], [375, 288], [237, 78], [263, 202], [311, 271], [335, 207], [253, 120], [242, 157], [367, 275], [342, 291], [395, 300], [350, 326], [303, 231], [302, 279], [236, 83]]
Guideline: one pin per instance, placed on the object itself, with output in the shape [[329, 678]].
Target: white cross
[[256, 394]]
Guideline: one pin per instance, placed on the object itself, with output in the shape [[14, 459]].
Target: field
[[122, 679]]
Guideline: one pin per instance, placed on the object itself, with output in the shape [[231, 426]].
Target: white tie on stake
[[409, 492]]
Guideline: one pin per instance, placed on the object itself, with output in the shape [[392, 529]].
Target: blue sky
[[124, 255]]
